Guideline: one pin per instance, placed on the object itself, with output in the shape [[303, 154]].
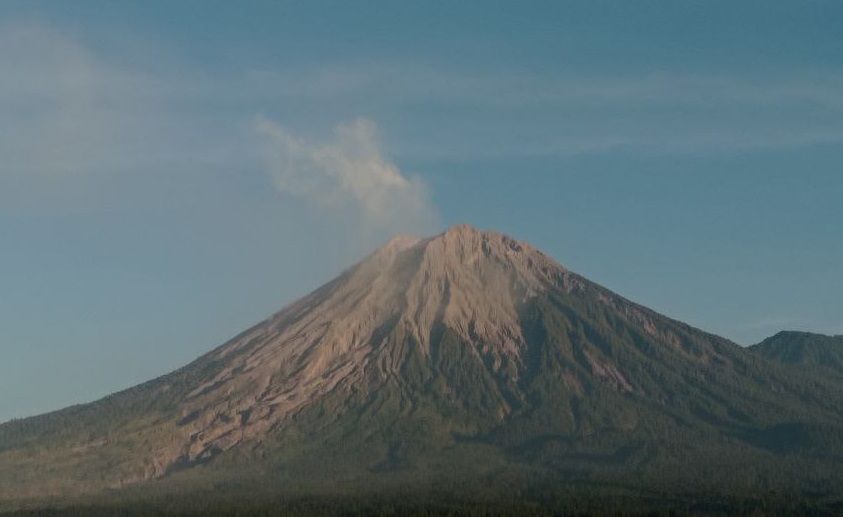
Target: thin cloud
[[485, 115], [54, 125], [73, 121], [80, 132]]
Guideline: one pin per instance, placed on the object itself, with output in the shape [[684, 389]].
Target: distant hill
[[466, 371], [804, 349]]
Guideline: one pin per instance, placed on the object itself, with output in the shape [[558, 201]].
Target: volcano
[[465, 368]]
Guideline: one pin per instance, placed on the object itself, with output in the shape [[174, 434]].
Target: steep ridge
[[326, 343], [434, 348]]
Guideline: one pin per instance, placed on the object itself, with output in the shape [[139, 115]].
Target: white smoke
[[348, 177]]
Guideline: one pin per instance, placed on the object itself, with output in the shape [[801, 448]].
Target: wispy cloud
[[81, 132], [49, 87], [73, 120], [348, 175], [487, 114], [412, 83]]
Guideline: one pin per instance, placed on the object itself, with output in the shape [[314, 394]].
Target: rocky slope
[[468, 354]]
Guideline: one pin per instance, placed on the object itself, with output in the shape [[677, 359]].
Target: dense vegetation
[[811, 352]]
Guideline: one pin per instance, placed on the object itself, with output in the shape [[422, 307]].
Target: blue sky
[[173, 172]]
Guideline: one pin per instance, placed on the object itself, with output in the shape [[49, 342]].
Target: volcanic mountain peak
[[359, 327], [465, 288], [465, 343]]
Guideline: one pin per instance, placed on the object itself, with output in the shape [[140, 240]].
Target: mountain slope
[[461, 363], [806, 349]]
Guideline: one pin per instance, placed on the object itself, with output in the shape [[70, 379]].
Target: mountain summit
[[461, 363], [805, 349]]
